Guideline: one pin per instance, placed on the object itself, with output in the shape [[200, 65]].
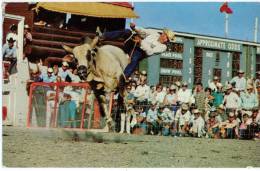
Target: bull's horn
[[67, 48], [87, 40], [94, 42]]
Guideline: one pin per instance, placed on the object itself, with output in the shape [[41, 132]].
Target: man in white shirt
[[184, 94], [182, 119], [142, 93], [240, 81], [198, 124], [145, 42], [231, 99]]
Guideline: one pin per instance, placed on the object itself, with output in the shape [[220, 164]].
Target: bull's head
[[85, 55]]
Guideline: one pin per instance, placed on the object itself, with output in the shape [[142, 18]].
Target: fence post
[[30, 106]]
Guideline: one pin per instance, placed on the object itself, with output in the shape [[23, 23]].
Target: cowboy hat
[[215, 78], [10, 40], [65, 63], [196, 111], [184, 106], [170, 34], [249, 87], [241, 72], [50, 70], [177, 83], [219, 85], [173, 87], [231, 114], [143, 72], [26, 26], [222, 107], [229, 86]]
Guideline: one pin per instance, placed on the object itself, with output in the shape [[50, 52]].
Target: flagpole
[[132, 20], [226, 25], [256, 29]]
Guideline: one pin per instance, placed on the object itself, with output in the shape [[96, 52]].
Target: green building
[[194, 57]]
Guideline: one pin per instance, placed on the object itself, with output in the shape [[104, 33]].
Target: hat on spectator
[[249, 113], [215, 78], [196, 111], [154, 103], [170, 34], [249, 87], [184, 84], [241, 71], [26, 26], [50, 70], [65, 63], [161, 105], [258, 72], [219, 85], [184, 106], [13, 27], [143, 72], [229, 86], [213, 109], [173, 87], [177, 83], [221, 107], [11, 40], [231, 114]]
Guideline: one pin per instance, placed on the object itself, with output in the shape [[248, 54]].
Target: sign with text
[[171, 55], [214, 44], [170, 71]]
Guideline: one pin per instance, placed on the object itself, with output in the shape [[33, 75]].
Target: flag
[[225, 8]]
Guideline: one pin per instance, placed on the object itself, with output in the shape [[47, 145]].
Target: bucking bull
[[103, 68]]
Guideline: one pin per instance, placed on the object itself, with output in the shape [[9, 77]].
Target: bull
[[103, 68]]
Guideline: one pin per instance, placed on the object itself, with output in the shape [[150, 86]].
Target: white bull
[[105, 66]]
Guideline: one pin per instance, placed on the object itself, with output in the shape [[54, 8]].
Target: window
[[235, 63], [171, 63], [175, 47], [168, 80], [198, 65]]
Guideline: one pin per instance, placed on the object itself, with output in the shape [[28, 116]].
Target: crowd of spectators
[[213, 110]]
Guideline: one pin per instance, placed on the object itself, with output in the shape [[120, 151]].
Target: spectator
[[167, 121], [200, 98], [197, 124], [63, 71], [213, 84], [249, 99], [182, 119], [143, 76], [135, 76], [184, 94], [239, 81], [209, 99], [128, 112], [218, 96], [12, 34], [244, 126], [171, 98], [221, 114], [140, 127], [178, 85], [10, 54], [231, 99], [159, 94], [152, 117], [48, 77], [229, 128], [255, 125], [213, 125], [142, 94]]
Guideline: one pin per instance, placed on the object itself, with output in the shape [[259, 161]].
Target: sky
[[200, 18]]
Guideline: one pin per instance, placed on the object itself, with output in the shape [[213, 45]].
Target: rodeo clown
[[143, 42]]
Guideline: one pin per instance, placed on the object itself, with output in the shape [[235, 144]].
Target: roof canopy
[[93, 9]]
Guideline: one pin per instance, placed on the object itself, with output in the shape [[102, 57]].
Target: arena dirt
[[24, 147]]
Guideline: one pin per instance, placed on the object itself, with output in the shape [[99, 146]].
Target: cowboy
[[198, 124], [184, 94], [12, 34], [145, 43], [48, 77], [231, 99], [63, 71], [249, 99], [239, 81], [152, 117], [182, 119], [10, 53]]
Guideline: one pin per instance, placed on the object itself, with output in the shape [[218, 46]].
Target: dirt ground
[[24, 147]]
